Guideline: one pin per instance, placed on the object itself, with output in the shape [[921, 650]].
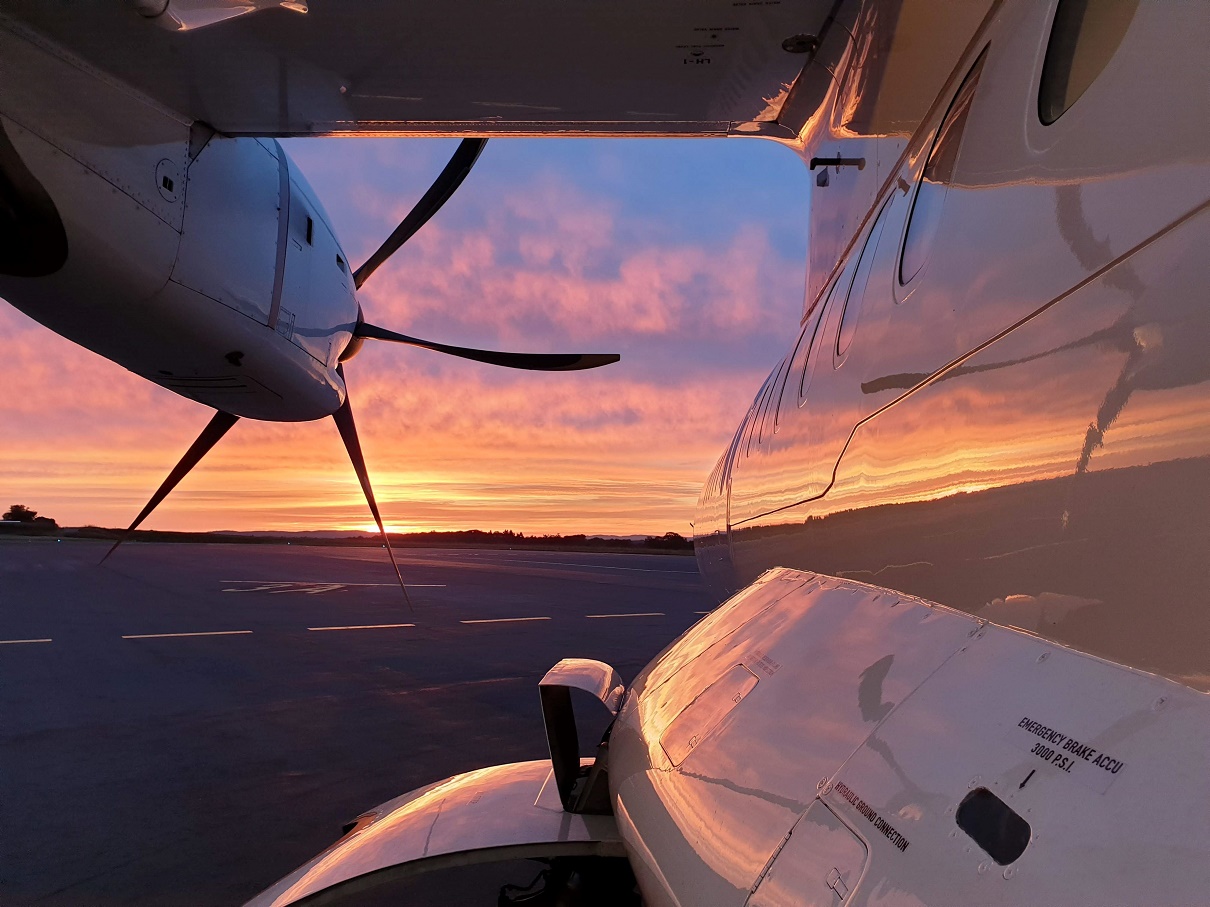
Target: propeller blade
[[214, 430], [543, 362], [443, 187], [348, 433]]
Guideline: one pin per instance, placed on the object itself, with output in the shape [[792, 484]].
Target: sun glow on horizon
[[391, 528]]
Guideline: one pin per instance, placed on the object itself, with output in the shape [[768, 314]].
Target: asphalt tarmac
[[188, 723]]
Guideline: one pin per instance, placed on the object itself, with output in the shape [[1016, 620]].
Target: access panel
[[819, 865]]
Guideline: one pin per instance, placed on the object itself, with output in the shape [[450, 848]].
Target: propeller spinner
[[443, 187]]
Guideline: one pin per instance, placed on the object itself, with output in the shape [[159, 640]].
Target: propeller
[[438, 194], [542, 362], [430, 203], [348, 433], [211, 434]]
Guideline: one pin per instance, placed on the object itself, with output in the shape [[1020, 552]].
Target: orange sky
[[686, 257]]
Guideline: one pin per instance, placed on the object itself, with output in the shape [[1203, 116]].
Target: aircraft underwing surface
[[366, 67]]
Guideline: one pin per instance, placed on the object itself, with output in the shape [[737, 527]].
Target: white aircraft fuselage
[[997, 396], [964, 521]]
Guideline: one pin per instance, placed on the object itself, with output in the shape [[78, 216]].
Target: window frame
[[821, 313], [872, 241], [754, 413], [905, 288], [1050, 52], [777, 389]]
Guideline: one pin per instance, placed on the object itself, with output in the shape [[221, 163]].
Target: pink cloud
[[550, 255]]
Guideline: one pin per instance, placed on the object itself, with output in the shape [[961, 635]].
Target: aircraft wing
[[474, 67]]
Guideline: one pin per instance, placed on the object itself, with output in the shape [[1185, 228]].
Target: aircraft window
[[805, 339], [749, 418], [750, 424], [729, 459], [755, 412], [1083, 39], [757, 421], [778, 382], [935, 180], [808, 367], [310, 230], [855, 298], [745, 426]]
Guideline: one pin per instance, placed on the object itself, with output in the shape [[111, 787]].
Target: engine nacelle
[[256, 239], [208, 267]]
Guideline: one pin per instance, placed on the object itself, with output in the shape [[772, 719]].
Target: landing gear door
[[819, 865]]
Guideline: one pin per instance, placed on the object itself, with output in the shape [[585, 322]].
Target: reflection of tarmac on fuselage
[[970, 550]]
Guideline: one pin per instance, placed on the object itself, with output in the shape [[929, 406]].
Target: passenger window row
[[1084, 37]]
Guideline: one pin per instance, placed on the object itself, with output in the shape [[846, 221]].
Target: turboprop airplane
[[964, 521]]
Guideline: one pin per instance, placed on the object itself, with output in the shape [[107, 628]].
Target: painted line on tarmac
[[302, 582], [363, 627], [641, 614], [312, 588], [174, 635], [459, 684], [18, 642], [598, 566], [501, 620]]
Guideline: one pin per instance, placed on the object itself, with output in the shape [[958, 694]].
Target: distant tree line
[[28, 522], [669, 541], [19, 513]]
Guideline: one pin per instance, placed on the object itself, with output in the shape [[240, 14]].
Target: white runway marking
[[312, 588], [17, 642], [642, 614], [172, 635], [285, 582], [501, 620], [599, 566], [364, 627]]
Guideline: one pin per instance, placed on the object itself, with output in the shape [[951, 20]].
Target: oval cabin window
[[1083, 39], [855, 299], [797, 359], [815, 334], [936, 178]]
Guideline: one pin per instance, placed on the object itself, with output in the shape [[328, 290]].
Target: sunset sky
[[687, 257]]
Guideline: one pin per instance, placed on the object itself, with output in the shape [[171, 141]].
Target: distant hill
[[669, 543], [361, 533]]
